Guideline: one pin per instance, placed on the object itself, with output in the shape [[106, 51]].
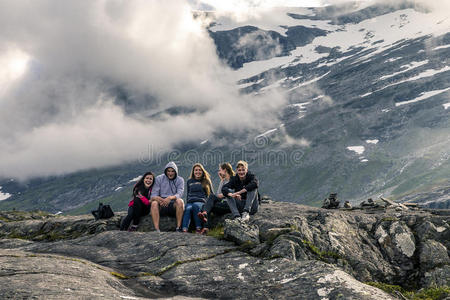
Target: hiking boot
[[245, 216], [133, 228], [205, 231], [203, 216]]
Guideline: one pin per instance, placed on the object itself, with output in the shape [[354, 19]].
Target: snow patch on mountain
[[275, 19], [247, 84], [441, 47], [429, 73], [423, 96], [267, 132], [372, 141], [393, 59], [357, 149], [256, 67], [408, 67], [135, 179], [4, 196], [301, 106], [424, 74], [274, 85], [446, 105], [309, 82], [118, 188]]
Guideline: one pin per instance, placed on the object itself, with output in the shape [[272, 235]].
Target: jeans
[[192, 209], [250, 204]]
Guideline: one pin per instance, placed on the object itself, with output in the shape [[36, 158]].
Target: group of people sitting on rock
[[162, 196]]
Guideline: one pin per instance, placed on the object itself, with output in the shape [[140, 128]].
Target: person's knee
[[253, 193], [179, 204], [155, 205]]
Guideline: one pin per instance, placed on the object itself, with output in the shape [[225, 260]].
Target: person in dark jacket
[[139, 205], [242, 192], [199, 187], [217, 203]]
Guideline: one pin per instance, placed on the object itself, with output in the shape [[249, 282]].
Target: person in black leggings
[[139, 206], [216, 203]]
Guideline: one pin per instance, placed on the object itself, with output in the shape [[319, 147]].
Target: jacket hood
[[173, 166]]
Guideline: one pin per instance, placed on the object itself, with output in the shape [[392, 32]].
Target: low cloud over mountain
[[84, 77]]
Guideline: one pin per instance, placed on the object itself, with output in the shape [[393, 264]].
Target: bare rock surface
[[25, 275], [285, 251]]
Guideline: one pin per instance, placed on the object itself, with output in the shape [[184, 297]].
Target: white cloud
[[64, 113]]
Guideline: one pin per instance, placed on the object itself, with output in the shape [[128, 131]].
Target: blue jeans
[[192, 209]]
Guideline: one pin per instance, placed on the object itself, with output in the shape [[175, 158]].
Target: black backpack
[[103, 212]]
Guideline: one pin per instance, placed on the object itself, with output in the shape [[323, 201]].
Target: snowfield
[[4, 196], [387, 30]]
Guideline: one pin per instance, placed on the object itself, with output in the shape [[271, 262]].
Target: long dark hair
[[140, 184]]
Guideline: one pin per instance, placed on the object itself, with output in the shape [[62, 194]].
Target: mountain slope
[[367, 112]]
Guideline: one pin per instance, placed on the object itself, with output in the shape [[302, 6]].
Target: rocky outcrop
[[25, 275], [284, 251]]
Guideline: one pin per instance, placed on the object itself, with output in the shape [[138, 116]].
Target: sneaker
[[203, 216], [132, 228], [205, 231], [198, 231], [178, 229], [184, 230], [245, 216], [157, 230]]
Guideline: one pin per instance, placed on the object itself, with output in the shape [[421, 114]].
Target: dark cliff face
[[286, 250]]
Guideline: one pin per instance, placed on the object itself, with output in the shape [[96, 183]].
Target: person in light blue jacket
[[166, 196]]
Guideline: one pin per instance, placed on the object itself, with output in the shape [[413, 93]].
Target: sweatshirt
[[195, 191], [221, 184], [164, 187], [250, 183]]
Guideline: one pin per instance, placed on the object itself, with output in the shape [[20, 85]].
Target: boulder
[[283, 247], [433, 254], [241, 232], [436, 277]]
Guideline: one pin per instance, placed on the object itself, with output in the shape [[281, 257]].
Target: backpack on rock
[[103, 212]]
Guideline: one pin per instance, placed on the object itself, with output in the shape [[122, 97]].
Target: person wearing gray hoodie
[[166, 196]]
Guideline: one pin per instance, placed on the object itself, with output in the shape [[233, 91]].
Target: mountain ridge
[[383, 79]]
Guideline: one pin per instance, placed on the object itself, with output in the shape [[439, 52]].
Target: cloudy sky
[[80, 78], [66, 61]]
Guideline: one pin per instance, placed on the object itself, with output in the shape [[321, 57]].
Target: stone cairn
[[331, 202]]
